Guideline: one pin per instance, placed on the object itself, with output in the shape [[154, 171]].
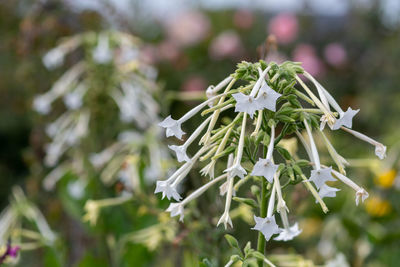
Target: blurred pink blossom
[[188, 28], [168, 51], [149, 54], [194, 84], [311, 63], [226, 45], [284, 26], [335, 54], [243, 19]]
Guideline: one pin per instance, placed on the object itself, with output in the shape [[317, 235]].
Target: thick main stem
[[263, 214]]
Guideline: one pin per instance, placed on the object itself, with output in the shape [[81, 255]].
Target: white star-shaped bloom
[[245, 103], [346, 119], [327, 191], [167, 190], [267, 226], [42, 104], [180, 152], [267, 98], [208, 170], [236, 170], [321, 176], [176, 209], [266, 168], [361, 194], [289, 234], [226, 220], [173, 127], [380, 150]]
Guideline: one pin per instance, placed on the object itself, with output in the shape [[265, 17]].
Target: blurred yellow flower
[[377, 207], [386, 179]]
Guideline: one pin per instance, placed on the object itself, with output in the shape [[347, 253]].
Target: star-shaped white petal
[[289, 234], [267, 98], [380, 150], [176, 209], [327, 191], [180, 153], [346, 119], [361, 194], [173, 127], [321, 176], [167, 190], [226, 220], [266, 168], [267, 226], [236, 170], [245, 103], [208, 170]]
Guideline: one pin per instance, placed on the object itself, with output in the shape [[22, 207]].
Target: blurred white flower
[[289, 233], [102, 53], [267, 226]]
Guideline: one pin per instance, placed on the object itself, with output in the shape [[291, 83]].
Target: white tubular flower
[[248, 103], [328, 116], [42, 103], [361, 194], [178, 208], [73, 100], [327, 191], [237, 169], [102, 53], [245, 103], [173, 127], [267, 98], [210, 167], [167, 190], [213, 90], [289, 233], [225, 218], [54, 58], [338, 159], [380, 149], [181, 150], [266, 167], [318, 176], [321, 176], [314, 151], [205, 138], [267, 226], [346, 119], [168, 187]]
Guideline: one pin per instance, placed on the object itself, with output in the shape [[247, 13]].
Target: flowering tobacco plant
[[271, 104], [108, 80]]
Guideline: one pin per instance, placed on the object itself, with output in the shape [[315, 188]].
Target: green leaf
[[258, 255], [248, 201], [284, 152], [232, 241]]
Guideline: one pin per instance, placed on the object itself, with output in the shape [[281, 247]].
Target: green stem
[[263, 213]]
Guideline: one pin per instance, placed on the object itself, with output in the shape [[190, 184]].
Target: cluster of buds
[[278, 103], [109, 78]]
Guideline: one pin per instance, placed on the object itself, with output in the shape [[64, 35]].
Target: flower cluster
[[22, 226], [109, 78], [278, 102]]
